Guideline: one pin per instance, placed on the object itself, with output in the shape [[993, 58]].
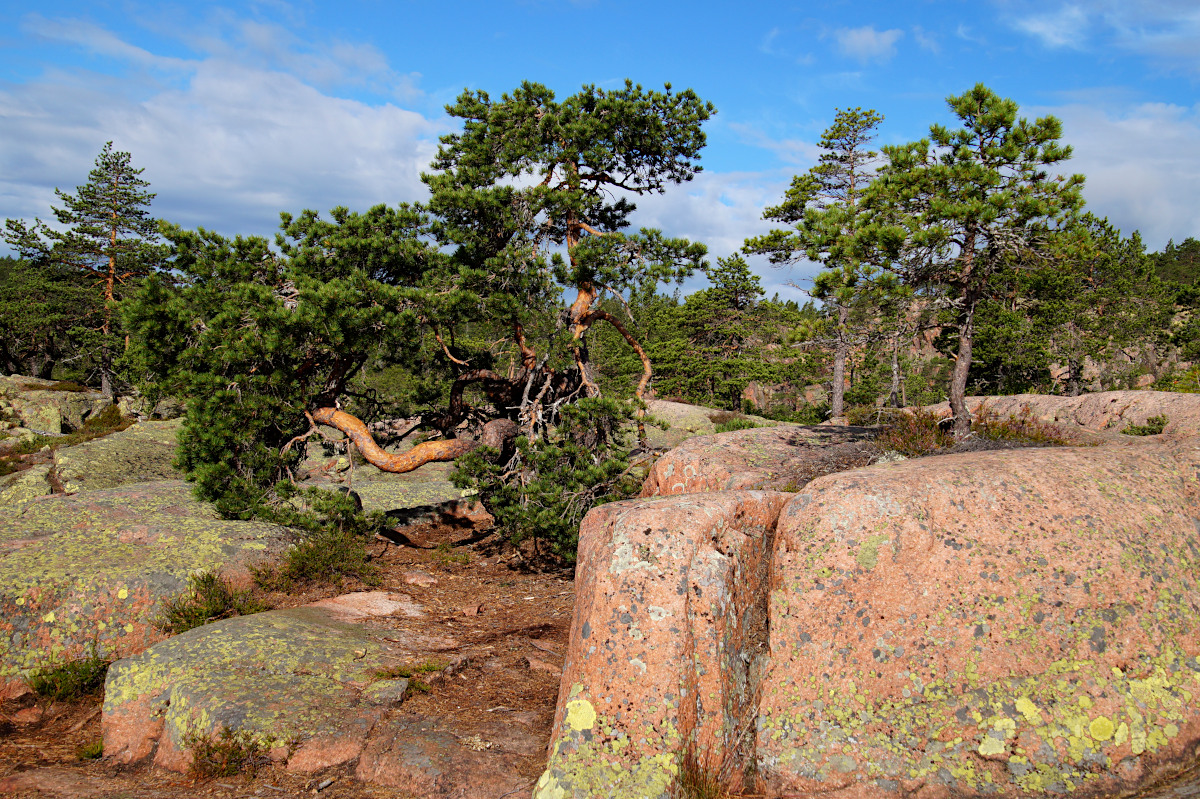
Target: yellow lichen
[[580, 715], [1101, 728]]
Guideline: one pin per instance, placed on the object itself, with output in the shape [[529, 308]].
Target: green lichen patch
[[286, 674], [94, 568], [141, 453], [1033, 628]]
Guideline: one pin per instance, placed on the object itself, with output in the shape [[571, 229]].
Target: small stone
[[537, 664], [418, 577]]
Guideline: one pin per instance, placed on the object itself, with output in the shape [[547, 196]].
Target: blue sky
[[240, 111]]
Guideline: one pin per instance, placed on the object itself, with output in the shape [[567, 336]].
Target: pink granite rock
[[1110, 411], [421, 756], [781, 458], [665, 643], [1011, 623]]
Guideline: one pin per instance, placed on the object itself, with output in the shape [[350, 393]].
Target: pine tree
[[531, 178], [107, 233], [824, 205], [952, 211]]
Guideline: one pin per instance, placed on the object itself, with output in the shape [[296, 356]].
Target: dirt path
[[506, 629]]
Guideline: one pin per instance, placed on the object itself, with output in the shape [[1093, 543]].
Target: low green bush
[[914, 435], [1153, 426], [208, 597], [734, 424], [91, 751], [227, 754], [71, 679], [542, 493], [333, 547]]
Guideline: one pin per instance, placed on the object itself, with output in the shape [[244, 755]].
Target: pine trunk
[[958, 379], [841, 349]]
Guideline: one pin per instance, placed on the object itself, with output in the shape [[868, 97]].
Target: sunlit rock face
[[1004, 623]]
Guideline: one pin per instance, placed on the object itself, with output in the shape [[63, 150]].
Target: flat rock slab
[[1005, 623], [50, 412], [685, 421], [386, 495], [25, 485], [312, 684], [139, 454], [666, 642], [780, 458], [93, 568], [1105, 411]]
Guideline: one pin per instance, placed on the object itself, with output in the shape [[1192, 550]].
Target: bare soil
[[508, 627]]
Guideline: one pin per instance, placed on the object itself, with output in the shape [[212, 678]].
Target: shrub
[[1187, 382], [209, 597], [91, 751], [71, 679], [334, 546], [870, 415], [1020, 427], [544, 490], [1153, 426], [226, 754], [916, 434], [735, 424]]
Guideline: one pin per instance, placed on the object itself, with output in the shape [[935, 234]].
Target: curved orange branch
[[427, 452]]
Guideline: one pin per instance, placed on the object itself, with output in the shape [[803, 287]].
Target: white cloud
[[1066, 27], [790, 151], [1165, 31], [97, 40], [1152, 188], [722, 210], [228, 145], [926, 40], [867, 44]]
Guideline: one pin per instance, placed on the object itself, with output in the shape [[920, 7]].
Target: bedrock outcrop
[[666, 643], [93, 568], [780, 458], [1104, 411], [319, 687], [1006, 623]]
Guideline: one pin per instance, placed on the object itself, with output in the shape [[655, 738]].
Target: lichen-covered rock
[[1110, 411], [92, 568], [289, 675], [780, 458], [24, 485], [665, 643], [50, 412], [385, 494], [1004, 623], [141, 453], [312, 684], [684, 421]]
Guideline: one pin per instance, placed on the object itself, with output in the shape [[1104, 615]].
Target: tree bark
[[427, 452], [841, 349], [1074, 377], [958, 379], [894, 394]]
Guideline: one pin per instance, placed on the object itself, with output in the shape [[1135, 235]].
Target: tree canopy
[[953, 210], [107, 233]]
